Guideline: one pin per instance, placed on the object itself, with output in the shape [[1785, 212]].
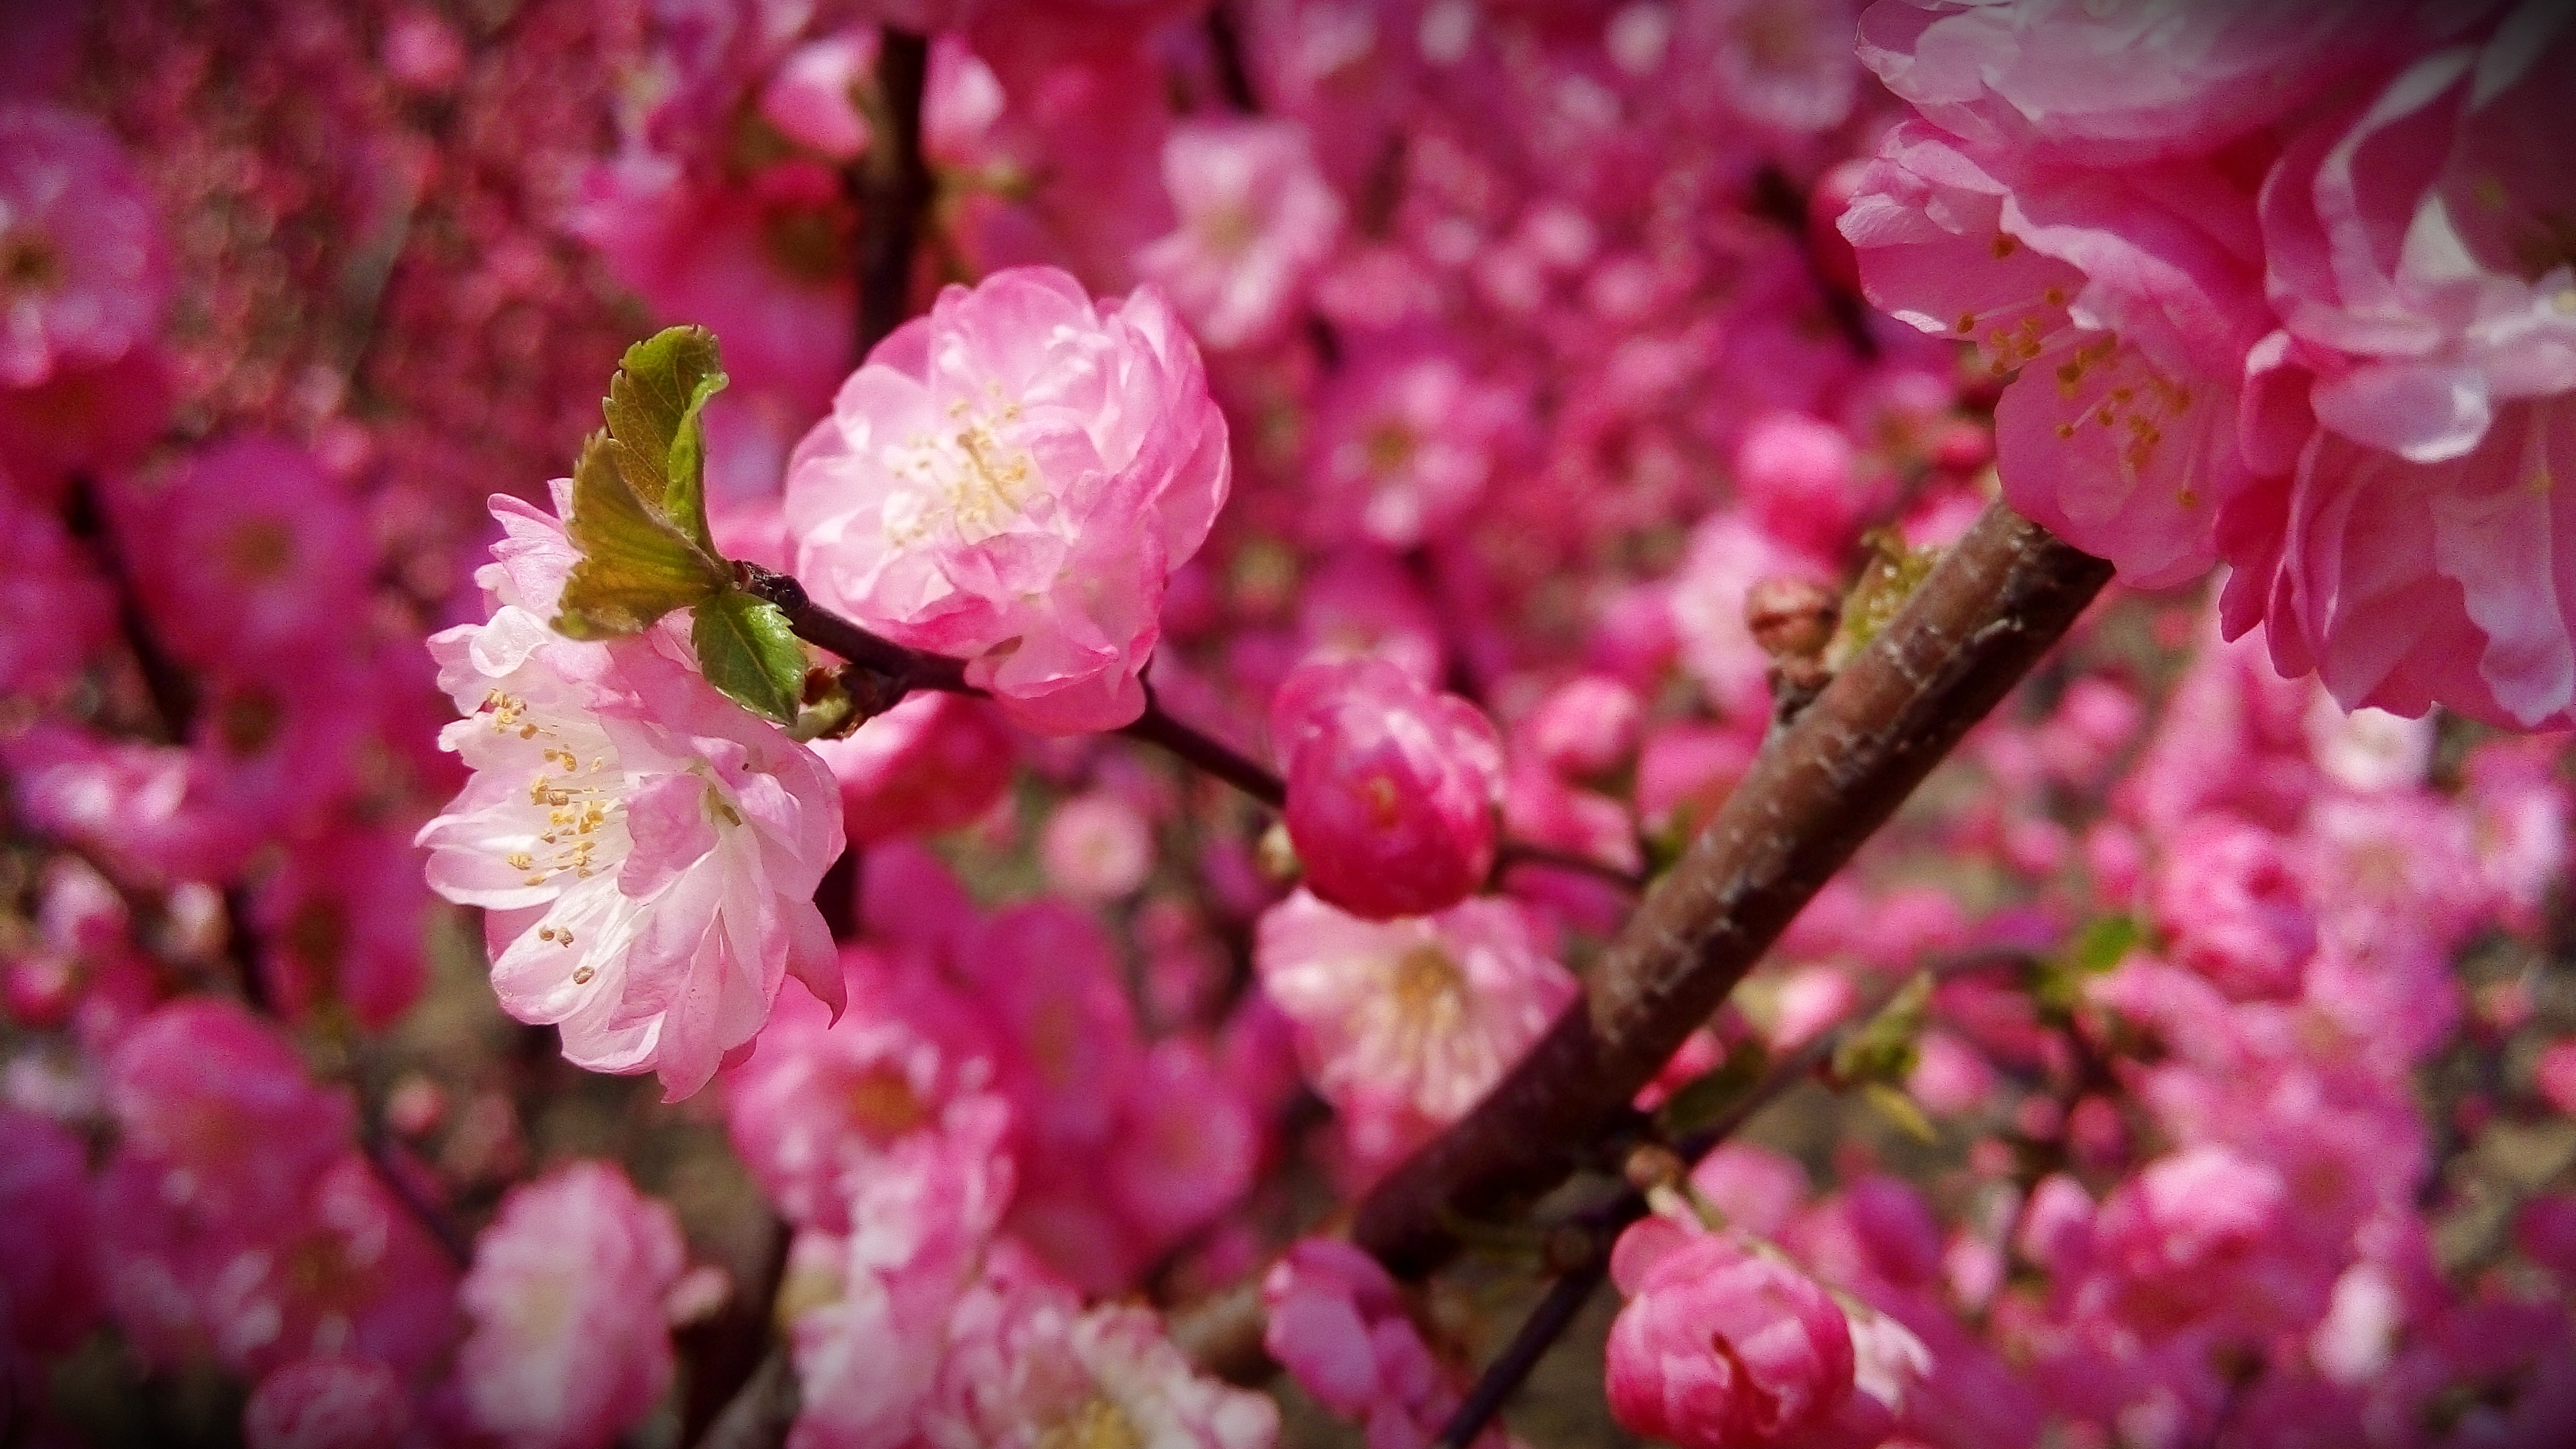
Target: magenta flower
[[1338, 1326], [1391, 789], [84, 272], [1402, 1025], [1720, 1348], [1012, 479], [570, 1345], [647, 850]]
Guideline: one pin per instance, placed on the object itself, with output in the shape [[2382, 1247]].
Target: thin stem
[[1566, 1296], [1206, 752], [1777, 197], [1996, 602], [1225, 43], [1519, 852], [894, 189]]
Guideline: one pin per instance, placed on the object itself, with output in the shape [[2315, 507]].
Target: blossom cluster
[[1334, 496]]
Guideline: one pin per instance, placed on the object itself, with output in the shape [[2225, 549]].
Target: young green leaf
[[655, 406], [635, 567], [1708, 1098], [747, 649]]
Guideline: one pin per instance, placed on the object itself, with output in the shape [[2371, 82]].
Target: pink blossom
[[2410, 401], [570, 1346], [934, 762], [203, 1089], [2127, 301], [2198, 1233], [647, 850], [1786, 64], [1360, 603], [1718, 1348], [2231, 896], [1402, 1025], [809, 98], [330, 1402], [1048, 980], [1011, 479], [42, 575], [2114, 85], [49, 1286], [1257, 223], [1339, 1327], [84, 273], [906, 1071], [340, 925], [1586, 726], [1800, 479], [1097, 847], [1029, 1368], [1188, 1143], [1391, 788], [2555, 1075], [258, 548], [1729, 554], [1406, 439]]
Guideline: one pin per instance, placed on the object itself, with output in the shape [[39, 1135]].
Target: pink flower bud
[[1718, 1348], [1391, 789]]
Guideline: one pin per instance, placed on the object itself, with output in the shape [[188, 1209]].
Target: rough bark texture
[[1976, 625]]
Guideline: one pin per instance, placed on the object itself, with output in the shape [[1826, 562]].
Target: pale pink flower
[[934, 762], [1800, 478], [336, 1401], [906, 1071], [1047, 978], [1402, 1025], [1729, 554], [1029, 1368], [1406, 439], [1392, 789], [647, 850], [1187, 1143], [1011, 479], [810, 97], [1257, 221], [2127, 300], [1097, 847], [203, 1089], [1786, 64], [2231, 896], [2198, 1233], [1720, 1348], [1586, 726], [1359, 603], [2414, 402], [570, 1345], [2120, 83], [869, 1309], [84, 272], [1339, 1327]]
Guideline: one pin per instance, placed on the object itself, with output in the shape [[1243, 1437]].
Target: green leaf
[[1886, 582], [634, 567], [655, 413], [1887, 1047], [747, 649], [2057, 982], [1706, 1099], [1893, 1104]]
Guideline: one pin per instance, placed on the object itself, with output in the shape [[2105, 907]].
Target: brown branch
[[1975, 626], [894, 188], [1778, 198]]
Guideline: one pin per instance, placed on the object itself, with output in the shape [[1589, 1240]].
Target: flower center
[[1429, 989], [884, 1106], [30, 263], [970, 480], [580, 798], [1097, 1424]]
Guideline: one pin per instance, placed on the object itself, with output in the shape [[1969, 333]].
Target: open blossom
[[1402, 1025], [1391, 789], [83, 270], [1029, 1368], [2230, 894], [1721, 1348], [906, 1072], [1011, 479], [570, 1344], [2415, 400], [647, 850], [335, 1401], [1257, 222], [1406, 438], [277, 551], [1338, 1325]]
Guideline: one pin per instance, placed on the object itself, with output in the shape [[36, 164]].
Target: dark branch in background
[[172, 692], [1225, 43], [1777, 197], [1601, 1226], [1997, 600], [894, 188]]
